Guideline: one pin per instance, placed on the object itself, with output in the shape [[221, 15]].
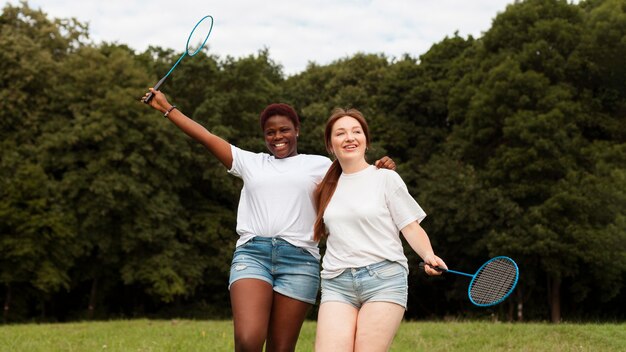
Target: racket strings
[[494, 281]]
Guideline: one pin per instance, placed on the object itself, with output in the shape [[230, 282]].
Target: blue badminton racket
[[492, 283], [205, 25]]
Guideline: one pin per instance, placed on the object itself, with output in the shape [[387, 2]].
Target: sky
[[296, 32]]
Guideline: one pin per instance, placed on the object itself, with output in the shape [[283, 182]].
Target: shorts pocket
[[390, 270]]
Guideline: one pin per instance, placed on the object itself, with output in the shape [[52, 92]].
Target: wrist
[[169, 110], [428, 256]]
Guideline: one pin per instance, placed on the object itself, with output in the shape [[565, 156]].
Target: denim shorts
[[381, 282], [292, 271]]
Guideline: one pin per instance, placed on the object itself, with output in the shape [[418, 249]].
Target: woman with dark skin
[[274, 275]]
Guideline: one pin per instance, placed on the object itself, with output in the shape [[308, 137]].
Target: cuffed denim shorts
[[292, 271], [381, 282]]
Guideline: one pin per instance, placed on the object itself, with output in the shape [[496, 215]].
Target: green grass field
[[189, 335]]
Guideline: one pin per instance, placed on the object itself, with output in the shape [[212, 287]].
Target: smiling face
[[348, 140], [280, 136]]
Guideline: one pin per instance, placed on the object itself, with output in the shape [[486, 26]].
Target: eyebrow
[[353, 127], [279, 127]]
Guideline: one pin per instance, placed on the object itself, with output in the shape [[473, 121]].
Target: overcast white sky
[[296, 32]]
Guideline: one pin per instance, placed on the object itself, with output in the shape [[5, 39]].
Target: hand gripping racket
[[492, 283], [196, 37]]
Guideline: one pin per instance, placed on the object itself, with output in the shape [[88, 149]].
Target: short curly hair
[[280, 109]]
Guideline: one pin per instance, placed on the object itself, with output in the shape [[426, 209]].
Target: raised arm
[[216, 145], [419, 241]]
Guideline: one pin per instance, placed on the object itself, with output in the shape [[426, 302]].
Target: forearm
[[187, 125], [216, 145], [418, 240]]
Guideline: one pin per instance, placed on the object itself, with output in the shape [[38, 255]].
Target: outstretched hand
[[158, 102]]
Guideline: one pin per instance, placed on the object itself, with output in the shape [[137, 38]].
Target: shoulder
[[391, 177], [316, 159], [386, 173], [246, 153]]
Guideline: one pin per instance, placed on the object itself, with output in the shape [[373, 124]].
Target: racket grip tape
[[146, 100]]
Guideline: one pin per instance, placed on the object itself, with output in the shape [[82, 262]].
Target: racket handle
[[147, 99], [422, 266]]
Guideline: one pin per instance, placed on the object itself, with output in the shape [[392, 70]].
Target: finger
[[441, 263], [437, 267], [430, 271]]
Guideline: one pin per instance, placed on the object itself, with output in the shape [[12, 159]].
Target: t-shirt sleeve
[[242, 161], [322, 165], [402, 206]]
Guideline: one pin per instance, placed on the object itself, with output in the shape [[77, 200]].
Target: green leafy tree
[[37, 243], [521, 122]]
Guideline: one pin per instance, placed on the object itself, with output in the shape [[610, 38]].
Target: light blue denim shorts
[[381, 282], [292, 271]]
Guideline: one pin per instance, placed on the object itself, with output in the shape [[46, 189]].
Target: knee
[[281, 344], [248, 342], [286, 347]]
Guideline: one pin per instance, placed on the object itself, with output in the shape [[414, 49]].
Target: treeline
[[514, 143]]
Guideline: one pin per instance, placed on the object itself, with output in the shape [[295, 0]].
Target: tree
[[37, 243], [520, 123]]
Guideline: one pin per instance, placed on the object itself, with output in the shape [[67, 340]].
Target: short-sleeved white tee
[[277, 196], [364, 218]]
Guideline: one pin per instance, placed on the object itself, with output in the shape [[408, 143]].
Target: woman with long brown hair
[[360, 212]]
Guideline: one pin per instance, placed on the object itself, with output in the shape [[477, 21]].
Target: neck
[[352, 166]]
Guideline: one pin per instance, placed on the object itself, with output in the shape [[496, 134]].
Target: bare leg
[[336, 327], [377, 325], [251, 301], [285, 323]]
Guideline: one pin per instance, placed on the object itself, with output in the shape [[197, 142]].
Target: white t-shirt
[[277, 196], [364, 218]]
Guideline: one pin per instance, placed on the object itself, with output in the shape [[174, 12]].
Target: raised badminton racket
[[195, 42], [492, 283]]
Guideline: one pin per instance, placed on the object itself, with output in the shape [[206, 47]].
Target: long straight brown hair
[[325, 190]]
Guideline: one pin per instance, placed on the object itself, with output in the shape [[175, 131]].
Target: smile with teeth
[[350, 147], [279, 145]]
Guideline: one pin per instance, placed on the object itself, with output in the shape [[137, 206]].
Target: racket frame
[[150, 95], [473, 276], [469, 288]]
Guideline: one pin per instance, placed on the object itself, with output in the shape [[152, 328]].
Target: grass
[[189, 335]]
